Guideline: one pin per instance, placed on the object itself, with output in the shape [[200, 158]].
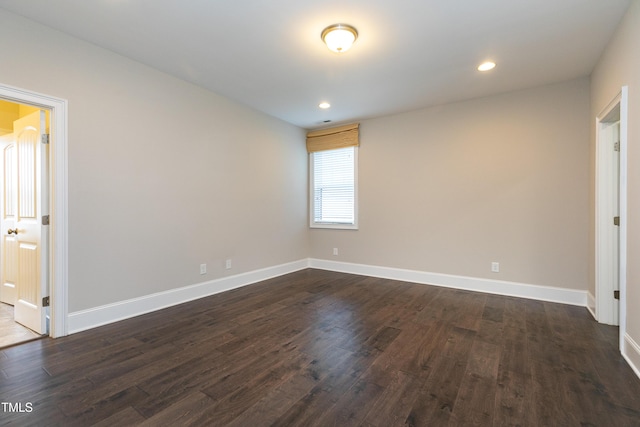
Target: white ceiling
[[410, 53]]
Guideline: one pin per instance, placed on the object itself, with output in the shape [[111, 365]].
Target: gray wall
[[451, 189], [163, 175]]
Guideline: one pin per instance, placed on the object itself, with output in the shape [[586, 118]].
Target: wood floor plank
[[474, 308], [313, 404], [238, 374], [352, 407], [459, 341], [278, 401], [134, 365], [325, 348], [22, 359], [126, 416], [243, 396], [484, 359], [185, 411], [434, 403], [514, 400], [514, 314], [491, 331], [121, 380], [475, 402], [553, 404], [394, 404], [322, 398], [117, 352], [167, 386], [515, 355], [273, 404], [103, 408], [422, 346]]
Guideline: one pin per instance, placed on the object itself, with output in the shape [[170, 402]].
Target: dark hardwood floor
[[318, 348]]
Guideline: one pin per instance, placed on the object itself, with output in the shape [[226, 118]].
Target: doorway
[[24, 188], [611, 207], [57, 241]]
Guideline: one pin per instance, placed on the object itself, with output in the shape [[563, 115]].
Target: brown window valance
[[330, 139]]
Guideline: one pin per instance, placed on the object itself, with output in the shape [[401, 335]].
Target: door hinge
[[45, 138], [46, 301], [616, 146], [616, 294], [45, 220], [616, 220]]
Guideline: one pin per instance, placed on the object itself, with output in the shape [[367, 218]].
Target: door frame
[[604, 264], [58, 201]]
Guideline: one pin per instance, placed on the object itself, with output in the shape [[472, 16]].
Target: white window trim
[[337, 226]]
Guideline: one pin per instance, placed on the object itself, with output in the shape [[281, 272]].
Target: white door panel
[[28, 231], [9, 244]]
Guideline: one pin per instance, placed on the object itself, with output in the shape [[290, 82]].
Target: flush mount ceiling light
[[339, 37], [324, 105], [486, 66]]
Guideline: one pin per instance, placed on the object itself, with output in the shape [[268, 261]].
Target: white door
[[615, 204], [8, 263], [25, 236], [608, 220]]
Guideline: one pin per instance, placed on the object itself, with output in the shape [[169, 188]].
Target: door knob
[[10, 231]]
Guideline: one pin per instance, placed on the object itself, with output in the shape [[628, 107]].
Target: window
[[333, 177], [334, 188]]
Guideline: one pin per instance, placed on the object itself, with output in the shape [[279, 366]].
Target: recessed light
[[486, 66], [324, 105]]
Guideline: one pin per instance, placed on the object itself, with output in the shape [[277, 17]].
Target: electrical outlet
[[203, 268], [335, 251], [495, 267], [227, 264]]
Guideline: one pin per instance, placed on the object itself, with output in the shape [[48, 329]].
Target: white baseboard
[[98, 316], [631, 353], [87, 319], [521, 290], [91, 318], [591, 305]]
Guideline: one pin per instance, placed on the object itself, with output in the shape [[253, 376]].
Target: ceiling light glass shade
[[486, 66], [339, 37]]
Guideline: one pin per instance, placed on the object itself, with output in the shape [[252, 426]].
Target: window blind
[[333, 186]]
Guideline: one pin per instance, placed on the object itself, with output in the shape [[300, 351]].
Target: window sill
[[335, 226]]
